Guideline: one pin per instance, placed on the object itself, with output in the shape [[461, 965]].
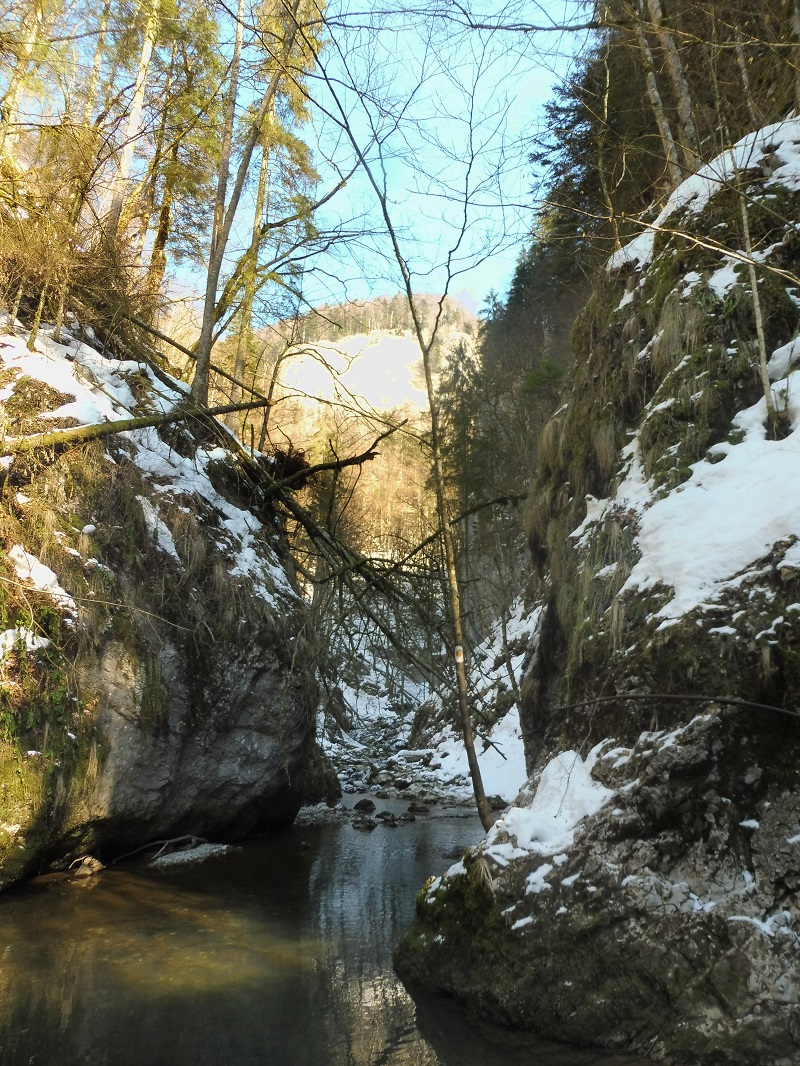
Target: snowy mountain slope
[[381, 369]]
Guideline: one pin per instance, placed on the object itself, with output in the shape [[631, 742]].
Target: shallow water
[[278, 954]]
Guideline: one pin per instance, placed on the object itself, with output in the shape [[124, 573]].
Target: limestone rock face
[[158, 665], [224, 760], [666, 927], [666, 922]]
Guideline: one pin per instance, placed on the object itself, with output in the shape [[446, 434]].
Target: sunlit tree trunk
[[224, 216], [154, 169], [244, 340], [93, 81], [158, 257], [9, 105], [119, 188]]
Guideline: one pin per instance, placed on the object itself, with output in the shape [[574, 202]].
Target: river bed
[[277, 954]]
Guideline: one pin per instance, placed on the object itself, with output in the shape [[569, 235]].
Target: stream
[[277, 953]]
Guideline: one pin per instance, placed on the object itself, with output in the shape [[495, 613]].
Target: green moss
[[45, 751]]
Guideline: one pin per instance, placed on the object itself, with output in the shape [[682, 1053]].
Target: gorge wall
[[158, 672], [642, 891]]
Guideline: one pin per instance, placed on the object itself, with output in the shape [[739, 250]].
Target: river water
[[277, 954]]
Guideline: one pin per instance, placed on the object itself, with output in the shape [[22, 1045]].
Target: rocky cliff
[[642, 891], [157, 673]]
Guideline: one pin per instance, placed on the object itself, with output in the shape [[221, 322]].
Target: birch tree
[[32, 29], [133, 126], [93, 80], [689, 141], [373, 123]]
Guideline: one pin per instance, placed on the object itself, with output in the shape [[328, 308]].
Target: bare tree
[[465, 185]]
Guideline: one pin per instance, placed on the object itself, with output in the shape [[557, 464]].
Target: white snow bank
[[178, 476], [100, 392], [705, 535], [781, 140], [502, 754], [728, 515], [158, 529], [12, 638], [502, 763], [565, 795], [783, 359], [31, 571]]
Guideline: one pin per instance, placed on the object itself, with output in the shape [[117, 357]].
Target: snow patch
[[158, 529], [31, 571], [702, 536], [565, 796], [20, 637], [782, 139]]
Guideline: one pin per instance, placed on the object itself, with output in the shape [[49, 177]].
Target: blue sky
[[455, 109]]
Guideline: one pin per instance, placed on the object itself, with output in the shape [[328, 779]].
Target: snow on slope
[[501, 751], [709, 533], [101, 391], [380, 734], [780, 141]]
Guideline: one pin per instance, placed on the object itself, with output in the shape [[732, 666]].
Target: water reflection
[[279, 954]]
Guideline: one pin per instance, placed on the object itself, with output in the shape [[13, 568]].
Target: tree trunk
[[273, 384], [245, 315], [741, 60], [223, 172], [795, 21], [150, 182], [119, 186], [600, 142], [763, 355], [690, 142], [484, 810], [78, 434], [11, 97], [158, 258], [664, 129], [220, 236], [97, 62]]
